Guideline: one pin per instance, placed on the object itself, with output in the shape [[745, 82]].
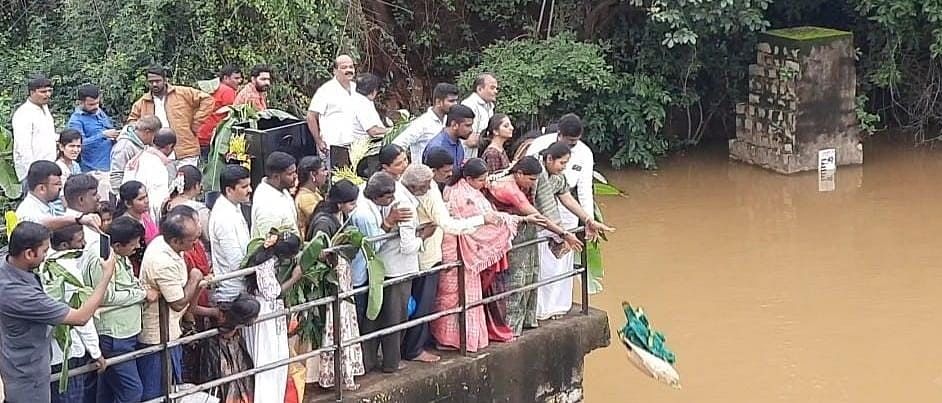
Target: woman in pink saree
[[483, 254]]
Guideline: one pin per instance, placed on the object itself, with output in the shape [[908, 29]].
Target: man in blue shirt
[[98, 133], [459, 126]]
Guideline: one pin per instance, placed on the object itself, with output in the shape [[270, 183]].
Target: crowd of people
[[129, 225]]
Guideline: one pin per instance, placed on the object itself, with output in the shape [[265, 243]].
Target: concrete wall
[[544, 365]]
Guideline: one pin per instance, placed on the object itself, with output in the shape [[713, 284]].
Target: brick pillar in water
[[802, 92]]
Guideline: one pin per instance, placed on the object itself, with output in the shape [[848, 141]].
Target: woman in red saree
[[483, 254]]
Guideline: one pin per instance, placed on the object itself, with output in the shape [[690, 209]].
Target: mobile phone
[[105, 246]]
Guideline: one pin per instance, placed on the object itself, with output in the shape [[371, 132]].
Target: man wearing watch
[[44, 179]]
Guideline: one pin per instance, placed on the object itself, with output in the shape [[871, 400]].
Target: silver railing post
[[463, 301], [584, 276], [338, 346], [166, 361]]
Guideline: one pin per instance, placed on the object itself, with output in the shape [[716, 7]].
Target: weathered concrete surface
[[802, 93], [544, 365]]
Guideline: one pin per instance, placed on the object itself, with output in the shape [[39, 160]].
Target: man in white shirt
[[81, 197], [581, 164], [400, 256], [44, 180], [228, 231], [68, 244], [34, 131], [578, 173], [366, 120], [482, 102], [330, 115], [272, 205], [155, 169], [417, 135]]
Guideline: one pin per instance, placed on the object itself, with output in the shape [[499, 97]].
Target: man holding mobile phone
[[27, 314]]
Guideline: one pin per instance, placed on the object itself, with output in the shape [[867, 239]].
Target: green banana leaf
[[8, 181], [208, 86], [219, 146], [604, 189], [377, 273], [405, 118], [55, 278], [63, 337]]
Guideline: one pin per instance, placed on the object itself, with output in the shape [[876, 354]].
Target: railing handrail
[[460, 309]]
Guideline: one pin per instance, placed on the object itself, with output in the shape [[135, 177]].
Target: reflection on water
[[769, 290]]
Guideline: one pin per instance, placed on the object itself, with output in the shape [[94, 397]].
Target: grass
[[807, 33]]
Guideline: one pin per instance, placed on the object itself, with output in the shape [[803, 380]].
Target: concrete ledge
[[544, 365]]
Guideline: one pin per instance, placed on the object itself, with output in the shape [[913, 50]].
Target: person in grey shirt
[[27, 315], [131, 142]]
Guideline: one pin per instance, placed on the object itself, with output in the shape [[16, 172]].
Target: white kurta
[[267, 341], [34, 137], [156, 177]]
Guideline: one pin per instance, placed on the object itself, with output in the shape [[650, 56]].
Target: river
[[769, 290]]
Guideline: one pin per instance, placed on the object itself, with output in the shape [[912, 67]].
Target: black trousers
[[416, 338], [394, 311]]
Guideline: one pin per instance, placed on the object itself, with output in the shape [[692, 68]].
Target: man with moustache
[[458, 128], [182, 109], [330, 115], [482, 102], [34, 131], [255, 93]]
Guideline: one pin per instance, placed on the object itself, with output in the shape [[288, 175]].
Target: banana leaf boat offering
[[647, 347]]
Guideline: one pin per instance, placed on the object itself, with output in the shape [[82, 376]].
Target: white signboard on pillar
[[827, 169]]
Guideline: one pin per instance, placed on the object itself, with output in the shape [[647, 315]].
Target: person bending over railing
[[163, 269], [267, 341]]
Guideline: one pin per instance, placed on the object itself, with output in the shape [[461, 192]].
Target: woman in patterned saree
[[483, 254], [329, 217]]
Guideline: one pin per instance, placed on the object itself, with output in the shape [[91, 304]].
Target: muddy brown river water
[[771, 291]]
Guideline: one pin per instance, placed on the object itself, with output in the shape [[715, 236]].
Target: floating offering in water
[[647, 347]]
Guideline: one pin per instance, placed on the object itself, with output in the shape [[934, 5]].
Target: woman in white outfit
[[556, 257], [267, 341]]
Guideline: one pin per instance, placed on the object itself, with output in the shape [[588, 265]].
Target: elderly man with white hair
[[434, 221]]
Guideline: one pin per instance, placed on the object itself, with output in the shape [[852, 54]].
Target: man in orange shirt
[[230, 77], [255, 93], [182, 109]]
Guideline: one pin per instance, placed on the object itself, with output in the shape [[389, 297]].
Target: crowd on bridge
[[115, 219]]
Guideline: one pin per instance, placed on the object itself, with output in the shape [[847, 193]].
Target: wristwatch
[[78, 218]]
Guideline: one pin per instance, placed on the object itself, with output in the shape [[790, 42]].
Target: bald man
[[330, 116], [482, 102]]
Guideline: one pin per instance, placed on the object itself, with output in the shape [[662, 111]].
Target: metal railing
[[335, 300]]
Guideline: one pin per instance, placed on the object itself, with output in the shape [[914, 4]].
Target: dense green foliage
[[109, 42], [647, 75]]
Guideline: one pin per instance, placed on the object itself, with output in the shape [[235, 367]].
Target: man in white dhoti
[[556, 299]]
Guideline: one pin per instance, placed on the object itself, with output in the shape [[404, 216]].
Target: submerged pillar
[[802, 93]]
